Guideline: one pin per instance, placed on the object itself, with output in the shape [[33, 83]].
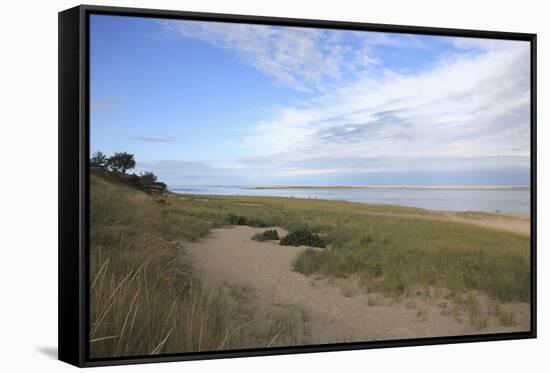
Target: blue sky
[[212, 103]]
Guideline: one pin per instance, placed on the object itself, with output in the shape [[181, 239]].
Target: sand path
[[228, 256]]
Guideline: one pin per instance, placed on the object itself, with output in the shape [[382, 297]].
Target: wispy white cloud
[[486, 44], [467, 108], [178, 172], [393, 40], [301, 58]]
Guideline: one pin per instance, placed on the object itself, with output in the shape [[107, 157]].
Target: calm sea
[[452, 198]]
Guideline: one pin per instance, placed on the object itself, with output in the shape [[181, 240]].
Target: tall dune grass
[[143, 300]]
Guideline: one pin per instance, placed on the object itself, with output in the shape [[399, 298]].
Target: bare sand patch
[[331, 310], [511, 222]]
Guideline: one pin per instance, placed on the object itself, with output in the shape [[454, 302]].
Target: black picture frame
[[74, 184]]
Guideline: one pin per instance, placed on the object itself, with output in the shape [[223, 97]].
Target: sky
[[206, 103]]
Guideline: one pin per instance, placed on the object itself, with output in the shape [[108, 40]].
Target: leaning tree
[[121, 162]]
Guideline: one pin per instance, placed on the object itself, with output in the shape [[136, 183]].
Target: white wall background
[[28, 183]]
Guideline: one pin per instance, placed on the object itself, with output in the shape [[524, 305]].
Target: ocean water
[[450, 198]]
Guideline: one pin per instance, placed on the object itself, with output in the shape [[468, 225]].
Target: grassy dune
[[145, 301], [392, 248]]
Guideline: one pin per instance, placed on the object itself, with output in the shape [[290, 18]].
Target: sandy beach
[[328, 310], [511, 222]]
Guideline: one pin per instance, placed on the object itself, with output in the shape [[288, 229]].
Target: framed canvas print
[[239, 185]]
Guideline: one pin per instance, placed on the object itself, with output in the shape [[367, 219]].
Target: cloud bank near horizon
[[465, 111]]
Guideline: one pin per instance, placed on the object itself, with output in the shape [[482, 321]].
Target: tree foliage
[[118, 164], [121, 162], [148, 178], [99, 160]]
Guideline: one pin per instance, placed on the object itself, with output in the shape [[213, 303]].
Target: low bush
[[270, 234], [243, 220], [302, 237]]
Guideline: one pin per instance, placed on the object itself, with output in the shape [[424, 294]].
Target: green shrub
[[243, 220], [270, 234], [302, 237]]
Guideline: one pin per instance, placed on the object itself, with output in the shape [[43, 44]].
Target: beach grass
[[391, 248], [144, 298], [143, 301]]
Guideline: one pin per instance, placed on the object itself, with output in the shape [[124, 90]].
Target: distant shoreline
[[512, 221], [426, 187], [515, 214], [494, 198]]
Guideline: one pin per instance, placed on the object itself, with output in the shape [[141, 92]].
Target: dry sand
[[517, 223], [510, 222], [331, 310]]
